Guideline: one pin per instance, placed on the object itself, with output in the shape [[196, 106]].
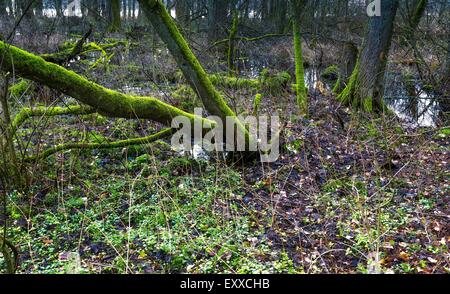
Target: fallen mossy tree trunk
[[26, 112], [105, 101], [104, 145]]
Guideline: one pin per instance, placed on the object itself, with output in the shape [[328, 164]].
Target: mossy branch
[[105, 101], [193, 72], [26, 113], [106, 145], [69, 53]]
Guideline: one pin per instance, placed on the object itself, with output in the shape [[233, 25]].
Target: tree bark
[[7, 148], [182, 12], [366, 87], [217, 16], [103, 100], [115, 14], [302, 98], [232, 44], [349, 59], [3, 9], [193, 71], [58, 8]]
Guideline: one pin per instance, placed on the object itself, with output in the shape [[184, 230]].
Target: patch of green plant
[[186, 98], [20, 88], [274, 84], [442, 133]]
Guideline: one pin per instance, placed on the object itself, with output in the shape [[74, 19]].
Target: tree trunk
[[39, 8], [3, 8], [365, 89], [182, 12], [115, 16], [58, 8], [302, 98], [445, 100], [232, 44], [349, 59], [93, 10], [217, 16], [103, 100], [193, 71], [7, 149]]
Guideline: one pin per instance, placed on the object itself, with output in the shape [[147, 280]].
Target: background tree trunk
[[350, 57], [7, 148], [302, 98], [366, 87], [182, 12], [217, 16], [115, 14]]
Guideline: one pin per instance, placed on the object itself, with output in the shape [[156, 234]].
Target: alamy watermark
[[250, 133], [374, 8]]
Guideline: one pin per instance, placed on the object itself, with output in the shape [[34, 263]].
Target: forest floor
[[350, 193]]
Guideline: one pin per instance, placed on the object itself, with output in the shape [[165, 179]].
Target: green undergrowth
[[269, 82], [333, 76], [20, 88], [186, 98], [275, 83], [144, 209]]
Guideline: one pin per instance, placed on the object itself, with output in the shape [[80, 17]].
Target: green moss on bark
[[302, 96], [105, 101], [106, 145], [347, 96], [231, 43], [26, 113], [225, 81], [190, 66]]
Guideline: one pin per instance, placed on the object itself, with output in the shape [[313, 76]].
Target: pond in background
[[415, 105]]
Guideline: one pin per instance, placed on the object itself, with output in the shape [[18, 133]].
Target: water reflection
[[410, 101]]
